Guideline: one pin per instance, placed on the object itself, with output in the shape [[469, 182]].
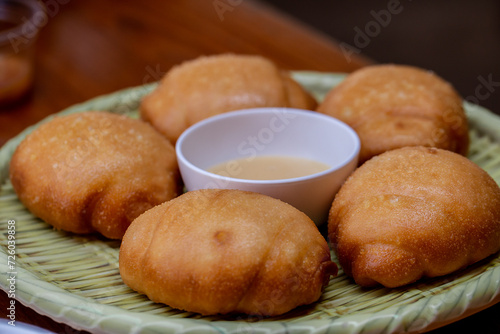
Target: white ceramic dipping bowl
[[271, 131]]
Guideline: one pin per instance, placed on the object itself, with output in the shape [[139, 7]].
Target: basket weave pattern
[[78, 280]]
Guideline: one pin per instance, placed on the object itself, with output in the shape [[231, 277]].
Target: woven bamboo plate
[[75, 279]]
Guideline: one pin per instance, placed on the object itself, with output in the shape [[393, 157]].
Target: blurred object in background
[[457, 39], [20, 21]]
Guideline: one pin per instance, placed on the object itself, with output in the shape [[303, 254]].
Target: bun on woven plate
[[414, 212], [94, 171], [219, 251], [393, 106], [210, 85]]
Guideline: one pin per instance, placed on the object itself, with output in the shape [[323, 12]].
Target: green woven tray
[[75, 279]]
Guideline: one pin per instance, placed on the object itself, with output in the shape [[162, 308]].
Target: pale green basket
[[75, 280]]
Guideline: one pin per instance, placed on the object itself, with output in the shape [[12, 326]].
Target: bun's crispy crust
[[207, 86], [414, 212], [94, 171], [223, 251], [393, 106]]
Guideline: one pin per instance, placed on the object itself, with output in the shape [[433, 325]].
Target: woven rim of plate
[[75, 279]]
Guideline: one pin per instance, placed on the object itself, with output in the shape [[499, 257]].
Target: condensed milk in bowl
[[298, 156]]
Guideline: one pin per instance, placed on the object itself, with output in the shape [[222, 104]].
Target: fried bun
[[219, 251], [94, 172], [414, 212]]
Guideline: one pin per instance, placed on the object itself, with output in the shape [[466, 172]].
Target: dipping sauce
[[268, 168]]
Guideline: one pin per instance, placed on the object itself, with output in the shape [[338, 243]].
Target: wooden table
[[88, 48]]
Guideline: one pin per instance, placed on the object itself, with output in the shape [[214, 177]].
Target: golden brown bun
[[223, 251], [414, 212], [94, 171], [207, 86], [393, 106]]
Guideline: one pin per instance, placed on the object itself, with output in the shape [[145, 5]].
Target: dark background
[[457, 39]]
